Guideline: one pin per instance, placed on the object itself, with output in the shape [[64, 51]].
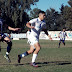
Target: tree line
[[15, 12]]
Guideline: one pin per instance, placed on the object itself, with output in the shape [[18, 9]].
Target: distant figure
[[62, 36], [27, 35]]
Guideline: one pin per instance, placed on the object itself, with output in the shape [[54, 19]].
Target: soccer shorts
[[62, 40], [2, 37], [32, 40]]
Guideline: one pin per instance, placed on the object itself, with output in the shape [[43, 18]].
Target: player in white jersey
[[62, 36], [36, 26], [28, 34]]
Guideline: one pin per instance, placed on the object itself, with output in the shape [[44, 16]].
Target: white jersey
[[62, 35], [39, 25]]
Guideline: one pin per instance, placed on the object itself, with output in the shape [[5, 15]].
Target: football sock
[[24, 54], [34, 58], [64, 43], [7, 53], [59, 43], [9, 46]]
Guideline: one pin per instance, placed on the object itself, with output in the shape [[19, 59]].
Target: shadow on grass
[[41, 64], [13, 64], [55, 63]]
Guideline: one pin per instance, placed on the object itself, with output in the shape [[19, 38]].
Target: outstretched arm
[[13, 29], [67, 35], [45, 30], [59, 35]]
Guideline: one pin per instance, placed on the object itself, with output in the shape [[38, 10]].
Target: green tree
[[70, 2], [17, 10], [34, 13], [66, 17], [51, 19]]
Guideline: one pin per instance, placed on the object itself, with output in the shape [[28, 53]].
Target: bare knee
[[30, 51], [38, 48], [7, 39]]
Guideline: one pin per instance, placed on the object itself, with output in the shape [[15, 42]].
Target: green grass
[[50, 58]]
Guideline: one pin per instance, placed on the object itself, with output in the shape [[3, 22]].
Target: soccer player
[[5, 38], [27, 35], [62, 36], [36, 26]]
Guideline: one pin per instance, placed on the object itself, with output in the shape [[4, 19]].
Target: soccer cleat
[[7, 58], [34, 64], [19, 58]]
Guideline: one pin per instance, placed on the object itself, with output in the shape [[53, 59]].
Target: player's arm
[[59, 35], [13, 29], [45, 30], [29, 25], [66, 35]]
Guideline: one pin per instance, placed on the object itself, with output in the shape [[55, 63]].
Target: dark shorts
[[2, 37], [62, 40]]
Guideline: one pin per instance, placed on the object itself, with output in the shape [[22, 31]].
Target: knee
[[30, 51], [38, 49], [9, 43]]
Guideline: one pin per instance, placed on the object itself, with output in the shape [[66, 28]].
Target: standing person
[[5, 38], [36, 26], [27, 35], [62, 36]]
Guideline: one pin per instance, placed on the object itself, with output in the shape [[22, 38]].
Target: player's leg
[[25, 53], [37, 46], [8, 41], [59, 44], [63, 42], [1, 40]]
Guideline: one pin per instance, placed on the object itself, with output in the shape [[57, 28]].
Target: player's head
[[41, 15], [64, 29]]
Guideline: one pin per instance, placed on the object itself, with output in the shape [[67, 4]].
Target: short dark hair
[[64, 27], [41, 12]]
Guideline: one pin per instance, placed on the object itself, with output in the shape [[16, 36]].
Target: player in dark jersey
[[5, 38]]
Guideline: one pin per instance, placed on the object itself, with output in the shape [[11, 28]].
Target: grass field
[[50, 58]]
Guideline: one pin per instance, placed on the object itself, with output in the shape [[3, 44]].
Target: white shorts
[[32, 40]]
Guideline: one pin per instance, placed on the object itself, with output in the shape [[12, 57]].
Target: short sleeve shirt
[[39, 25], [62, 35]]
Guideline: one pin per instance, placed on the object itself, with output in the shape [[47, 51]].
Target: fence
[[54, 35]]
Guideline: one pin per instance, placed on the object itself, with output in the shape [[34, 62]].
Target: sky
[[47, 4]]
